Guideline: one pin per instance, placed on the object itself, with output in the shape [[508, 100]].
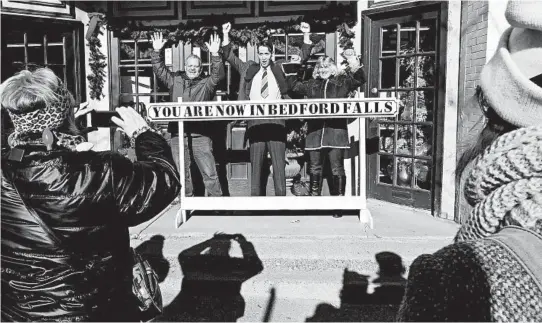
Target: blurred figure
[[66, 210], [328, 139], [191, 86], [484, 276]]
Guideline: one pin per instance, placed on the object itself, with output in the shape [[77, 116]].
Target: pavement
[[305, 266]]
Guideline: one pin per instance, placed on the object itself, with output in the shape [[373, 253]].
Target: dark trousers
[[335, 157], [265, 138], [201, 148]]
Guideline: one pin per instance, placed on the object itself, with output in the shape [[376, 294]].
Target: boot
[[315, 188], [339, 186]]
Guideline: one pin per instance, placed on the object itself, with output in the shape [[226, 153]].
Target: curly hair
[[325, 61]]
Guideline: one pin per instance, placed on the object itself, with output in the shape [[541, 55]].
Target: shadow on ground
[[212, 280], [357, 305]]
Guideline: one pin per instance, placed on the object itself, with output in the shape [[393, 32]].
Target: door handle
[[374, 90]]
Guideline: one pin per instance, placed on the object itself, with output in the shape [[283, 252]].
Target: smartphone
[[291, 68], [100, 119]]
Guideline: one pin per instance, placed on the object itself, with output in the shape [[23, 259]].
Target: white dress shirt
[[273, 87]]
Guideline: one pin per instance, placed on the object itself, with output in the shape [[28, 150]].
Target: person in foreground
[[66, 210], [484, 276]]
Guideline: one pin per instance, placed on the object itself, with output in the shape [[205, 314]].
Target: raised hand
[[214, 44], [305, 27], [226, 33], [226, 28], [157, 41], [352, 59]]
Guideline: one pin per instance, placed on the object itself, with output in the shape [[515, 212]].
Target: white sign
[[280, 109]]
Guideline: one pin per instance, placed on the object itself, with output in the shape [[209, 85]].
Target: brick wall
[[474, 30]]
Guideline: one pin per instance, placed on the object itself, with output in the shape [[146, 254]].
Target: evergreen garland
[[97, 65], [334, 17]]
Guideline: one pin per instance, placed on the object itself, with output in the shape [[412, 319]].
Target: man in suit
[[264, 81]]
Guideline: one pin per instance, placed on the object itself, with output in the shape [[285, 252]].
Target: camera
[[97, 119]]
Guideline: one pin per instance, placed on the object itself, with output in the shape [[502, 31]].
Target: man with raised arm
[[264, 81], [192, 86]]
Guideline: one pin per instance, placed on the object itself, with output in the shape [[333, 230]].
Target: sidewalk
[[315, 267], [390, 220]]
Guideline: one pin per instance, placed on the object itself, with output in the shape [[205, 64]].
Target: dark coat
[[330, 133], [202, 88], [88, 200], [248, 70], [474, 281]]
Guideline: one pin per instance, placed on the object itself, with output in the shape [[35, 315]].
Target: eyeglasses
[[192, 66]]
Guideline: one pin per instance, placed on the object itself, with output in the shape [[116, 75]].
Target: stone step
[[276, 305]]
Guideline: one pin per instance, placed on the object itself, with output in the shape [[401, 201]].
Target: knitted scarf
[[30, 125], [505, 185]]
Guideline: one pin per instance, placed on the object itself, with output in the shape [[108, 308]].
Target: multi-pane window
[[408, 71], [41, 44], [286, 45], [224, 86], [28, 44], [137, 81]]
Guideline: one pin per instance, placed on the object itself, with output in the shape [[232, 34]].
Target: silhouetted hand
[[239, 238], [157, 41]]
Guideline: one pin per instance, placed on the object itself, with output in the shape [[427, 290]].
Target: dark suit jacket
[[247, 70]]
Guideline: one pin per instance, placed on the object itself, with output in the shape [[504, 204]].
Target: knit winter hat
[[505, 79], [505, 185]]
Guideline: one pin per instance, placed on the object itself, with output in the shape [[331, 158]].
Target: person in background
[[192, 86], [264, 81], [66, 209], [480, 277], [328, 139]]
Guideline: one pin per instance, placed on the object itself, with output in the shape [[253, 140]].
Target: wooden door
[[404, 62]]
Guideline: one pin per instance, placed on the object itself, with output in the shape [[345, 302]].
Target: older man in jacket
[[191, 86], [264, 81]]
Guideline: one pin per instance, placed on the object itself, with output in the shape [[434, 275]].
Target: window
[[284, 46], [29, 43], [137, 81], [225, 86], [42, 43]]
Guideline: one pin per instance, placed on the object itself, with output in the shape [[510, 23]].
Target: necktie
[[265, 87]]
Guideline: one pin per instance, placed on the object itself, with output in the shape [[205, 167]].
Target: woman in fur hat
[[493, 271], [66, 210]]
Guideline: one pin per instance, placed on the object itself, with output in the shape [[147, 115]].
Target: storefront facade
[[428, 54]]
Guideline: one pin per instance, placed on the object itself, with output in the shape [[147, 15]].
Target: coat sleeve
[[218, 73], [144, 188], [234, 61], [306, 52], [298, 87], [160, 69], [355, 79]]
